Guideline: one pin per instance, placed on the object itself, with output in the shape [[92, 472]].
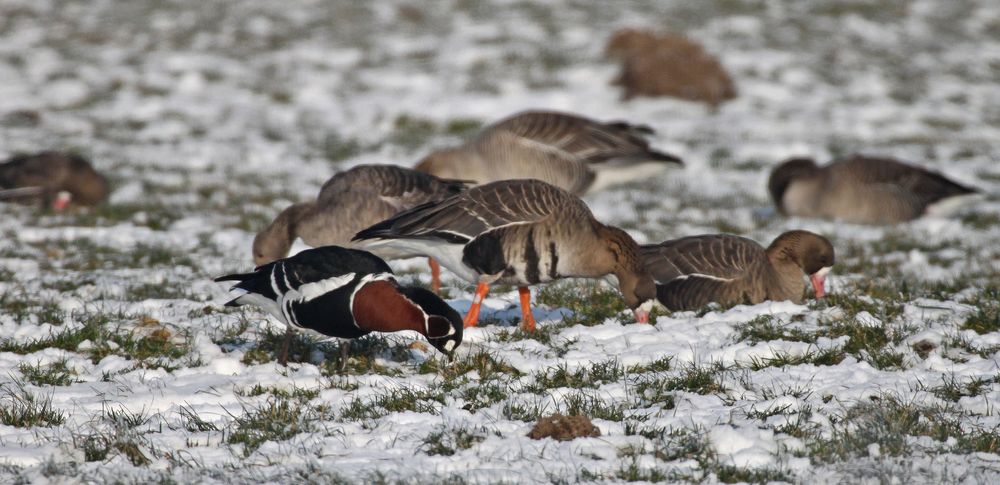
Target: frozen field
[[118, 361]]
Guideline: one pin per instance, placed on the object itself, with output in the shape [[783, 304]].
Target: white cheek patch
[[449, 345]]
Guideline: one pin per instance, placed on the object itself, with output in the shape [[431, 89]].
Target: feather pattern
[[693, 271], [860, 189], [348, 202], [519, 232], [565, 150], [345, 293]]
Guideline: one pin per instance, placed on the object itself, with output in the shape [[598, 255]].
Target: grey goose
[[52, 179], [693, 271], [348, 202], [860, 189], [574, 153], [518, 232]]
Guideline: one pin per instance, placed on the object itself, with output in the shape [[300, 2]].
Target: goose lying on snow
[[519, 232], [574, 153], [860, 189]]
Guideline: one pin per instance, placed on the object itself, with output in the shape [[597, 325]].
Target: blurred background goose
[[694, 271], [574, 153], [519, 232], [863, 190], [52, 179]]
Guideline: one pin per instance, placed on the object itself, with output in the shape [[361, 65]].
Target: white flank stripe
[[311, 291], [699, 275], [274, 281]]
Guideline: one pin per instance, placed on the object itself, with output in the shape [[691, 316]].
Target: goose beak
[[818, 280], [642, 312], [62, 200]]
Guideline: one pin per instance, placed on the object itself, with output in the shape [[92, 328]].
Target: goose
[[668, 65], [693, 271], [861, 189], [345, 293], [519, 232], [53, 179], [348, 202], [574, 153]]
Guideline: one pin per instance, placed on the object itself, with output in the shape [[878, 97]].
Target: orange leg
[[435, 275], [527, 319], [473, 316]]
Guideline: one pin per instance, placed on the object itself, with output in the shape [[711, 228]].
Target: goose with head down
[[519, 232], [348, 202], [52, 179], [694, 271], [345, 293]]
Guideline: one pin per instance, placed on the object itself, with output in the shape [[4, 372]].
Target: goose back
[[860, 189]]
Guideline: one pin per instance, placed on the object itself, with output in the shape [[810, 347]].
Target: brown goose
[[52, 179], [519, 232], [350, 201], [859, 189], [668, 65], [571, 152], [691, 272]]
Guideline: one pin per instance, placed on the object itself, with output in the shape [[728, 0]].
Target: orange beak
[[818, 280]]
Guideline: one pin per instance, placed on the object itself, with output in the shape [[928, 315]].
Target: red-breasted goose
[[859, 189], [574, 153], [345, 293], [53, 179], [350, 201], [519, 232], [693, 271]]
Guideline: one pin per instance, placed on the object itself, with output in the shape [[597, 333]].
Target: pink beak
[[61, 201], [818, 280], [641, 316]]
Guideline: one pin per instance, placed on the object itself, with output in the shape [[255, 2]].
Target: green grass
[[276, 419], [446, 441], [986, 316], [392, 401], [591, 303], [106, 336], [54, 374], [23, 409], [891, 423]]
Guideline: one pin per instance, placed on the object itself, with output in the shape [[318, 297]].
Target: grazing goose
[[519, 232], [350, 201], [859, 189], [571, 152], [52, 179], [691, 272], [345, 293]]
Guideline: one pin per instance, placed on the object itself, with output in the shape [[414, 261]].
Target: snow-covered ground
[[118, 361]]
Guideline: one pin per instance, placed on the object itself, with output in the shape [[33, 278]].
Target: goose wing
[[461, 218], [579, 138], [716, 257]]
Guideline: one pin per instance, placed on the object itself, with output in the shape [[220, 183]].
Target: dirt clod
[[564, 428]]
